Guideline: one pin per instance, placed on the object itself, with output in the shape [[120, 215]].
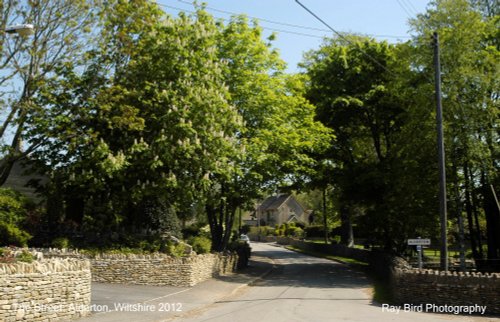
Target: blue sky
[[383, 19]]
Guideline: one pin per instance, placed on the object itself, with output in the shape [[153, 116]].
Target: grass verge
[[344, 260]]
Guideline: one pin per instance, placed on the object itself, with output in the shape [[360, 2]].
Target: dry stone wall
[[417, 287], [160, 269], [49, 290]]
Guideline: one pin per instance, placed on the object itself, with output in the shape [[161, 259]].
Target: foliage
[[12, 207], [12, 235], [243, 251], [263, 230], [29, 63], [8, 255], [196, 229], [201, 244], [61, 242], [289, 230], [469, 52], [314, 231], [153, 133], [176, 250], [245, 229], [25, 256], [279, 131]]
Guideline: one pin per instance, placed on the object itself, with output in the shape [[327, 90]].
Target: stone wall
[[417, 287], [160, 269], [48, 290]]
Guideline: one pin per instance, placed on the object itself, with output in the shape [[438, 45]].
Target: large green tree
[[360, 88], [180, 112], [279, 133], [468, 32], [147, 123]]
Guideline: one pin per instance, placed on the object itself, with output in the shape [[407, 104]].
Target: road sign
[[419, 241]]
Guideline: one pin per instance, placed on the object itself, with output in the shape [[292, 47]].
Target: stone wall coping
[[417, 271], [46, 266], [56, 252]]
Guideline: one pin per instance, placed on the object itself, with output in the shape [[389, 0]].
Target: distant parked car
[[245, 238]]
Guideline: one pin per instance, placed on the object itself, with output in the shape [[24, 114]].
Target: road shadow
[[288, 268]]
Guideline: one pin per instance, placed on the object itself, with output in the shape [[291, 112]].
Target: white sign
[[419, 241]]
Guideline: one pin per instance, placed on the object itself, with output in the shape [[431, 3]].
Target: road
[[305, 288]]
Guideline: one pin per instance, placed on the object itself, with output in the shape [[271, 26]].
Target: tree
[[148, 120], [360, 87], [176, 111], [468, 32], [62, 29], [279, 133]]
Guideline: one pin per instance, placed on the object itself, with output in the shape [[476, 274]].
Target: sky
[[382, 19]]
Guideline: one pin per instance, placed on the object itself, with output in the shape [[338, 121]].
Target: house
[[21, 175], [280, 209]]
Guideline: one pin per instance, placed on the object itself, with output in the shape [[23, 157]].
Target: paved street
[[304, 288], [296, 288]]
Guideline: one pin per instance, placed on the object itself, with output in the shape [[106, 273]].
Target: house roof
[[273, 202]]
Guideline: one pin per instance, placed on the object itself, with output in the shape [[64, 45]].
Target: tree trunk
[[347, 236], [325, 222], [215, 227], [468, 210]]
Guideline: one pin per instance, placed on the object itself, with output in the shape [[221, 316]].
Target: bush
[[150, 246], [12, 207], [201, 244], [295, 232], [314, 232], [175, 250], [245, 229], [61, 242], [12, 235], [198, 229], [243, 250], [9, 256], [25, 257], [262, 230]]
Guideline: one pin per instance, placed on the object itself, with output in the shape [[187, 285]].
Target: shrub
[[151, 245], [243, 250], [314, 232], [175, 250], [9, 256], [245, 229], [25, 257], [295, 232], [12, 207], [201, 244], [262, 230], [61, 242], [6, 256], [12, 235]]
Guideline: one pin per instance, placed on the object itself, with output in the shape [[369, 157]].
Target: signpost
[[419, 242]]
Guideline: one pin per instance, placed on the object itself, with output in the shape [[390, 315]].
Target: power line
[[412, 7], [286, 24], [265, 28], [405, 9], [345, 38], [261, 19]]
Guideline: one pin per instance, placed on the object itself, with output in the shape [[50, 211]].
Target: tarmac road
[[281, 285], [309, 289]]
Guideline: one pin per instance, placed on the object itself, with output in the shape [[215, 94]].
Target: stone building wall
[[417, 287], [49, 290]]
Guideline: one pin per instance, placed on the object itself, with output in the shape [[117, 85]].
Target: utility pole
[[442, 166]]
